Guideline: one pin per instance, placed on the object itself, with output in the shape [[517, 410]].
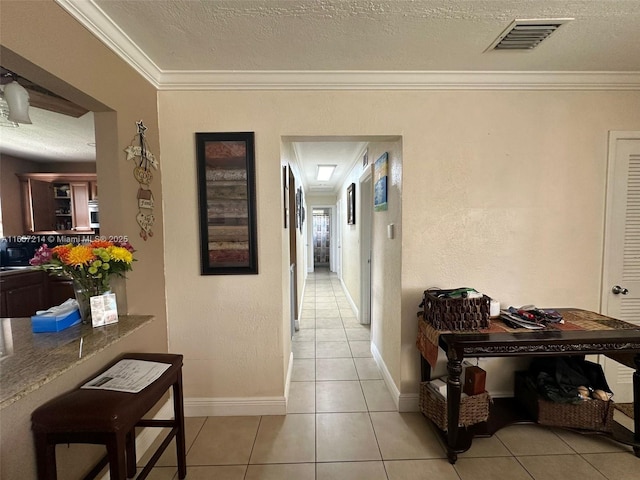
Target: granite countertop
[[30, 360]]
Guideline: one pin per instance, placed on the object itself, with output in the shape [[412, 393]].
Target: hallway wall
[[492, 197], [386, 277]]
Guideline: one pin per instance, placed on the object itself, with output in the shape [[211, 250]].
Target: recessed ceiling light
[[324, 172]]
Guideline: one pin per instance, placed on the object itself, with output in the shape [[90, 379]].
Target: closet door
[[621, 269]]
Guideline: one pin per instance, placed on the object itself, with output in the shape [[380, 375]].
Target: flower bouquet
[[90, 266]]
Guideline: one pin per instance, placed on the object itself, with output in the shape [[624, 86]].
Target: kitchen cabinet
[[57, 202], [24, 292], [58, 289]]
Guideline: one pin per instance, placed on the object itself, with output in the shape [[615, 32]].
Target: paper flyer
[[104, 309], [130, 376]]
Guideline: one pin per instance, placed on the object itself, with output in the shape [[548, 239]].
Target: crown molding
[[97, 22], [93, 18], [405, 80]]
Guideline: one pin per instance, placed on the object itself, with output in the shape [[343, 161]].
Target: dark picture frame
[[351, 204], [285, 194], [227, 200]]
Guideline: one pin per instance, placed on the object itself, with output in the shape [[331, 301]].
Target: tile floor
[[342, 424]]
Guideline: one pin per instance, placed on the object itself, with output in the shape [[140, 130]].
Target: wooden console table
[[585, 333]]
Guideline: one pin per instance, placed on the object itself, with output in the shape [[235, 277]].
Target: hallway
[[342, 424]]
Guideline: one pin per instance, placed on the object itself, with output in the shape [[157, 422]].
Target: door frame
[[338, 239], [333, 251], [365, 198]]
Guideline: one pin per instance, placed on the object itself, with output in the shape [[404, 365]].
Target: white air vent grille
[[526, 34]]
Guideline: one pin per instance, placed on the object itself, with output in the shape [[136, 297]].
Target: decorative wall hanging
[[144, 160], [300, 211], [226, 189], [380, 183], [285, 194], [351, 204]]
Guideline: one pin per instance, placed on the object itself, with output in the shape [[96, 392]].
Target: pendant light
[[4, 113], [17, 98]]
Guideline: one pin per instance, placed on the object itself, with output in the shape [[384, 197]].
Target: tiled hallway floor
[[342, 424]]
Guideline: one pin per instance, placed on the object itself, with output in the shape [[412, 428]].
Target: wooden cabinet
[[23, 293], [53, 202], [80, 206], [58, 290]]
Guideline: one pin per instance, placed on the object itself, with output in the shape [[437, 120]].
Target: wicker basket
[[594, 414], [456, 313], [473, 409]]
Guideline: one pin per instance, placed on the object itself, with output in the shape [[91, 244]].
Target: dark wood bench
[[109, 418]]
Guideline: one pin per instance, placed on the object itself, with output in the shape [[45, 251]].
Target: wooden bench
[[109, 418]]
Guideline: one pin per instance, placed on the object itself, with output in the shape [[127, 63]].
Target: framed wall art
[[226, 190], [285, 194], [351, 204], [380, 169]]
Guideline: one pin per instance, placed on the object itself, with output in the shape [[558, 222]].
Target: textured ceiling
[[392, 35], [51, 137]]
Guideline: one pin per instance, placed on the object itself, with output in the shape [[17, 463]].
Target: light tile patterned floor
[[342, 424]]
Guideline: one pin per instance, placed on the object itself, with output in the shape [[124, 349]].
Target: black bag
[[557, 378]]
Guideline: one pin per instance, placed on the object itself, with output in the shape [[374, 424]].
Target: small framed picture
[[351, 204]]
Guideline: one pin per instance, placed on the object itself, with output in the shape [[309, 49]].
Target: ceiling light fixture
[[325, 172], [4, 113], [17, 99]]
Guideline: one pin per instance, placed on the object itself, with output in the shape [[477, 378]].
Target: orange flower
[[80, 255], [61, 251]]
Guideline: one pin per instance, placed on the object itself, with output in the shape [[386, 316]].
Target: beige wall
[[43, 43], [386, 269], [502, 190]]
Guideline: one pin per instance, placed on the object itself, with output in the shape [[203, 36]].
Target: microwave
[[94, 220]]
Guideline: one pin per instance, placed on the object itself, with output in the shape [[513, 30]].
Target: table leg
[[454, 389], [425, 370], [636, 404]]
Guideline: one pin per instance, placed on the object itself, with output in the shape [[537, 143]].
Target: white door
[[621, 269], [366, 210]]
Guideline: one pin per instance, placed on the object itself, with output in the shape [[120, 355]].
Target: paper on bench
[[128, 375]]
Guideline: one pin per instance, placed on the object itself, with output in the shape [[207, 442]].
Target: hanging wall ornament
[[144, 160]]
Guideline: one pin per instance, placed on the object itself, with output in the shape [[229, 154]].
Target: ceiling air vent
[[526, 34]]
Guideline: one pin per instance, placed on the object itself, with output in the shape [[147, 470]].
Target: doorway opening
[[321, 237]]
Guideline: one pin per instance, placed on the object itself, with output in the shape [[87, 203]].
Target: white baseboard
[[409, 402], [352, 304], [229, 406], [405, 402], [287, 383]]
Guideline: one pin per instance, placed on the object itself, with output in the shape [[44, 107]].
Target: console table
[[585, 333]]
